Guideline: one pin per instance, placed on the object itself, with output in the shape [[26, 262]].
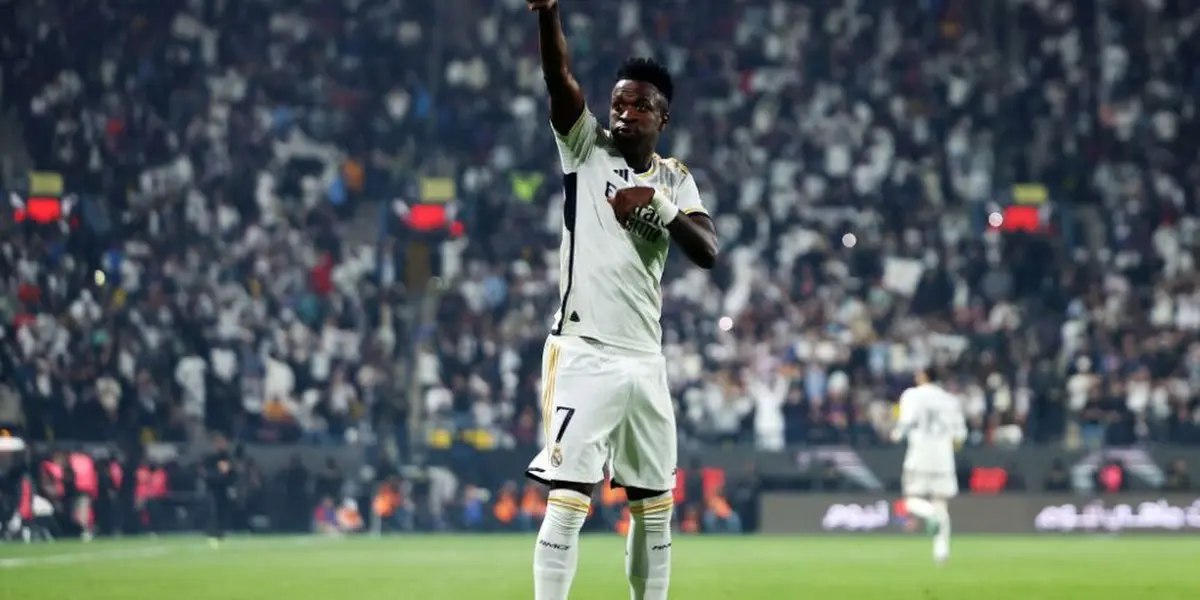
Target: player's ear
[[666, 118]]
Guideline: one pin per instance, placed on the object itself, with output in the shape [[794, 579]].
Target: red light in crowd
[[427, 217], [40, 210], [1022, 218]]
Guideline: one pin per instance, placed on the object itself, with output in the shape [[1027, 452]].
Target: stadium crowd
[[851, 153], [205, 277]]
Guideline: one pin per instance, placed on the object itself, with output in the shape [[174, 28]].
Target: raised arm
[[566, 98]]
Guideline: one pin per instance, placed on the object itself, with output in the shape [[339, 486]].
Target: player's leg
[[579, 413], [644, 459], [556, 555], [941, 540], [916, 492], [944, 488]]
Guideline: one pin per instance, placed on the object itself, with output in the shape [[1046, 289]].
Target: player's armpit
[[696, 235], [566, 97]]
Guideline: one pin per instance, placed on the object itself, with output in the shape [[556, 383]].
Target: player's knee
[[650, 510], [585, 489]]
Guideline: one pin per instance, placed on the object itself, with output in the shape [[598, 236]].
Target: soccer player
[[605, 398], [220, 478], [931, 419]]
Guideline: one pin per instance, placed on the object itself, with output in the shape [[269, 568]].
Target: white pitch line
[[78, 557], [155, 551]]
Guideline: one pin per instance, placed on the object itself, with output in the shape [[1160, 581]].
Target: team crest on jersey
[[556, 456]]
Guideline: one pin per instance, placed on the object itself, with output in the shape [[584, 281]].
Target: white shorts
[[602, 405], [926, 484]]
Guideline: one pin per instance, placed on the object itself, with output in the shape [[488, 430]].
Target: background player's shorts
[[926, 484], [605, 405]]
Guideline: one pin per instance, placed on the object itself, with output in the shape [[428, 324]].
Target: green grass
[[498, 568]]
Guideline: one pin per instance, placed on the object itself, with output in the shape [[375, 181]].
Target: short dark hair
[[649, 71], [933, 373]]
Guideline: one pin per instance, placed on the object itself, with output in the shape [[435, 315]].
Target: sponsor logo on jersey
[[645, 225]]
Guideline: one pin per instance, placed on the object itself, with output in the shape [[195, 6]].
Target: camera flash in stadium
[[99, 277], [849, 240], [995, 219], [725, 323]]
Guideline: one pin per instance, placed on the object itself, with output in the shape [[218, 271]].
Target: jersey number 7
[[562, 429]]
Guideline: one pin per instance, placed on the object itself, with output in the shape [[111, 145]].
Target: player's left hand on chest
[[625, 201]]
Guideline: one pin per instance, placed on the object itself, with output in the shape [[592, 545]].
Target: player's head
[[641, 103], [926, 375]]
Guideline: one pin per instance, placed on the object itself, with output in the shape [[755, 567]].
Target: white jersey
[[931, 419], [611, 284]]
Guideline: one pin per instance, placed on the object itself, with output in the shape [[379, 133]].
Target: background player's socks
[[941, 542], [648, 547], [557, 551]]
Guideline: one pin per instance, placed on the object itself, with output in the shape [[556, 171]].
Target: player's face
[[637, 114]]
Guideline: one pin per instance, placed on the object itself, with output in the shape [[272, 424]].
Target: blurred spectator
[[332, 518], [393, 506], [330, 481], [507, 512], [533, 504], [1178, 479], [719, 516], [213, 274], [1111, 477]]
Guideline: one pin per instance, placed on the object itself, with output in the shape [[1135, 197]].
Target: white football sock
[[919, 507], [648, 547], [557, 550], [941, 541]]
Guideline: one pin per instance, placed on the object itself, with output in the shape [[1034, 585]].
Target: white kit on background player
[[605, 396], [931, 420]]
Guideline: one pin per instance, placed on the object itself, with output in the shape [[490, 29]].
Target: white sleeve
[[958, 420], [575, 147], [687, 196], [907, 419]]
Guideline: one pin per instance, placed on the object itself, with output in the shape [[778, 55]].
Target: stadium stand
[[1008, 189]]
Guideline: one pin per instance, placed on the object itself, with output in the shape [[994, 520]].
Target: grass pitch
[[706, 568]]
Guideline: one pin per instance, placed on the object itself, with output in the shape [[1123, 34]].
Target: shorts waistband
[[597, 345]]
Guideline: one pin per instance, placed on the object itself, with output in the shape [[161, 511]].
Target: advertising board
[[790, 513]]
